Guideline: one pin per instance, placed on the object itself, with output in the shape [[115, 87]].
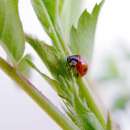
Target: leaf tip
[[109, 122]]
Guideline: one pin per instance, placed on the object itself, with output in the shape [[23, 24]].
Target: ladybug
[[76, 62]]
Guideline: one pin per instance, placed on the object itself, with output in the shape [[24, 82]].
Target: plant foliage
[[58, 18]]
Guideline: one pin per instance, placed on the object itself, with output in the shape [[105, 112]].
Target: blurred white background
[[19, 112]]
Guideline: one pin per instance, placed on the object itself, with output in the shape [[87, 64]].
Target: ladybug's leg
[[73, 63], [68, 66]]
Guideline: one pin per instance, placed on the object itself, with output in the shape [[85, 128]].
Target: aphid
[[76, 62]]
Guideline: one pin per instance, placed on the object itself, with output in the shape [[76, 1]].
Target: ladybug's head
[[73, 60]]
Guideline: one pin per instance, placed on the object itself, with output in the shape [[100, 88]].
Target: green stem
[[109, 122], [39, 4], [52, 34], [39, 98], [90, 101]]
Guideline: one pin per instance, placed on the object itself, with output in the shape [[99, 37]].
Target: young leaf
[[11, 32], [82, 37], [46, 52], [69, 15]]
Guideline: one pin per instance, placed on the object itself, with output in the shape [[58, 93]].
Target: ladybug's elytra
[[76, 62]]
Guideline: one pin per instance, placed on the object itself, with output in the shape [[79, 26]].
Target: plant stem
[[38, 97], [90, 101], [52, 34], [40, 5]]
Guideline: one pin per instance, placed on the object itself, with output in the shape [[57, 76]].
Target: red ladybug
[[75, 61]]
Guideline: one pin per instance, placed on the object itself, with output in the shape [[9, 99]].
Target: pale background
[[18, 111]]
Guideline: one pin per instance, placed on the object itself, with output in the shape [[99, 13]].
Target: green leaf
[[23, 67], [46, 52], [52, 82], [82, 37], [11, 32], [51, 57], [69, 16]]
